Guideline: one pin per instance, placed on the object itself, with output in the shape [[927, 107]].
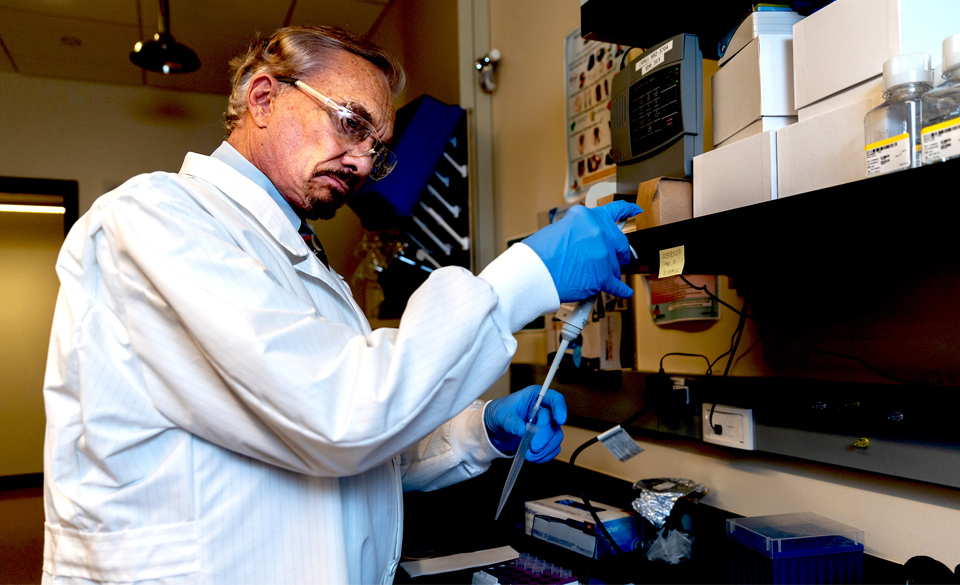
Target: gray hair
[[298, 51]]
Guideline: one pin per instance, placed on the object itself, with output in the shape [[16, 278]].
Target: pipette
[[574, 317]]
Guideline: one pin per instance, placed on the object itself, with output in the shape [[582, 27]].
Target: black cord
[[709, 365], [589, 506], [737, 335], [854, 358]]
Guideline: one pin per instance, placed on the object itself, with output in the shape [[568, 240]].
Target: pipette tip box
[[794, 548], [565, 522]]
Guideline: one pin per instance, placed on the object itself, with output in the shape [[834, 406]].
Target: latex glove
[[584, 250], [506, 420]]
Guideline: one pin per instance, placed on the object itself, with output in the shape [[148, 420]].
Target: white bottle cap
[[951, 52], [909, 68]]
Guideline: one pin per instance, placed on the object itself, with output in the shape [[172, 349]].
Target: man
[[218, 408]]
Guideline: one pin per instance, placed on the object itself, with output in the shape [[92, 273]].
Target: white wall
[[901, 518]]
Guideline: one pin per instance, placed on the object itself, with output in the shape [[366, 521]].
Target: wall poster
[[590, 67]]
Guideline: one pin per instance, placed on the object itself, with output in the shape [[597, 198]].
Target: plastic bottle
[[891, 131], [941, 109]]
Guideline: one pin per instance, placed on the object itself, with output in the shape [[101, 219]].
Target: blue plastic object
[[795, 548], [422, 130]]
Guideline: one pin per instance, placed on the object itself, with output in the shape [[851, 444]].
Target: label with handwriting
[[671, 262]]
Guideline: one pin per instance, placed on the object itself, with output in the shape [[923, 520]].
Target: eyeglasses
[[354, 128]]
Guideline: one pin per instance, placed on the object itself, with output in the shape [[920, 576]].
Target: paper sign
[[671, 262]]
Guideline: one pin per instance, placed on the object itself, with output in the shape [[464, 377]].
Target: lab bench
[[460, 518]]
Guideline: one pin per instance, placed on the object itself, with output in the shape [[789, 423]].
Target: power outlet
[[732, 426]]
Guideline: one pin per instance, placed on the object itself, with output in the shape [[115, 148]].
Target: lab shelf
[[900, 221], [710, 21]]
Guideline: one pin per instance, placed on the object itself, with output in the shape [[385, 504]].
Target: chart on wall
[[590, 67]]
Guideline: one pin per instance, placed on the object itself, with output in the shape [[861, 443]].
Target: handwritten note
[[671, 262]]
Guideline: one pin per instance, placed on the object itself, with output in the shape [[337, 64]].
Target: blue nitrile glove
[[506, 420], [584, 250]]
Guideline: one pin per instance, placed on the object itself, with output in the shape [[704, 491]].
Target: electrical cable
[[837, 354], [589, 506], [709, 365]]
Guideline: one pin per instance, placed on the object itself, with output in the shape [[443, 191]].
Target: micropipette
[[573, 317]]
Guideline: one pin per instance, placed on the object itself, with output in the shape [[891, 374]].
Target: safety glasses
[[354, 128]]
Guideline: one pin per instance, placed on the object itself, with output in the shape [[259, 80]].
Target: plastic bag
[[671, 546]]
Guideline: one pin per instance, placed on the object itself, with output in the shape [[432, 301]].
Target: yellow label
[[940, 126], [671, 262], [887, 141]]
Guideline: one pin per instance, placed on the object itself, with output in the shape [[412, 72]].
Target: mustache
[[349, 179]]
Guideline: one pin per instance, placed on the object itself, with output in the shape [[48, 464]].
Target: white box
[[759, 23], [847, 42], [823, 151], [756, 82], [869, 89], [565, 522], [764, 124], [736, 175]]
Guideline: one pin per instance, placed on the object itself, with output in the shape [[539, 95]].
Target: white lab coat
[[219, 410]]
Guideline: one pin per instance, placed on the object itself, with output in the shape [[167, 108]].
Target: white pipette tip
[[530, 430]]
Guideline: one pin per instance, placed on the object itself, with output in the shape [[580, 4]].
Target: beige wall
[[901, 518], [99, 135], [29, 243], [422, 34]]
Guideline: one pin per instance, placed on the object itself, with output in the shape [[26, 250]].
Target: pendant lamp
[[164, 54]]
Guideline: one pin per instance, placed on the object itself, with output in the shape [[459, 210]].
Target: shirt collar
[[229, 155]]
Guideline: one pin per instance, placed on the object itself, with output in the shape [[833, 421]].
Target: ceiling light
[[164, 54]]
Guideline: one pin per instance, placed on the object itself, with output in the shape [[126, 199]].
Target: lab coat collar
[[254, 199]]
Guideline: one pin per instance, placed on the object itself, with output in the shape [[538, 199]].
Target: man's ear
[[260, 94]]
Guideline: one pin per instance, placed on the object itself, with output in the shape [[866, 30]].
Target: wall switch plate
[[736, 426]]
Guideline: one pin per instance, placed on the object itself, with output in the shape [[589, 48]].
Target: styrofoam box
[[847, 42], [736, 175], [764, 124], [756, 82], [823, 151]]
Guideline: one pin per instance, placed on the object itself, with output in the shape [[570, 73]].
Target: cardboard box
[[740, 174], [847, 42], [756, 82], [823, 151], [869, 89], [664, 200], [564, 522], [764, 124]]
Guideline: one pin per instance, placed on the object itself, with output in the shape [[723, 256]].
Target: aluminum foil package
[[658, 496]]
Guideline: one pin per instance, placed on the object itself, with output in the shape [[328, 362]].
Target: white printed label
[[620, 443], [653, 59], [941, 141], [888, 155]]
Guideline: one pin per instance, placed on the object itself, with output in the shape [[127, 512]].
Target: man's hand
[[506, 420], [585, 249]]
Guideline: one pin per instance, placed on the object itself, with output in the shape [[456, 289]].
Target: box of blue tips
[[794, 548]]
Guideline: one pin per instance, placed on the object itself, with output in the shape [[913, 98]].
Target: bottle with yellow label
[[891, 131], [941, 109]]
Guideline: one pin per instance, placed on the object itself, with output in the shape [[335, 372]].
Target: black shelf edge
[[881, 222]]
